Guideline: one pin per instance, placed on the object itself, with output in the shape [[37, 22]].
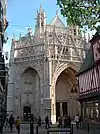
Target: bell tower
[[41, 21]]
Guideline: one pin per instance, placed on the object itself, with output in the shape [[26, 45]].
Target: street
[[25, 129]]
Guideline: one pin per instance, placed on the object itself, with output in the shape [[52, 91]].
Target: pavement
[[5, 131], [25, 129]]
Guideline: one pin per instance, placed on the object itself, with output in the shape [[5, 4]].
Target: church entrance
[[61, 109], [64, 108], [30, 92], [66, 101], [26, 113]]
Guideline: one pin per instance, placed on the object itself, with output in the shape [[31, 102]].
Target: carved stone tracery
[[49, 52]]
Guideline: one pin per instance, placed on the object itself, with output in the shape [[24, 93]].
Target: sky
[[22, 13]]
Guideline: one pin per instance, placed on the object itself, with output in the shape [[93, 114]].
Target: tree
[[83, 13]]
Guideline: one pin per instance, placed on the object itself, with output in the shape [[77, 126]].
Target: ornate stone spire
[[57, 21], [41, 21], [13, 36], [20, 36], [37, 12], [29, 31], [41, 9], [56, 12]]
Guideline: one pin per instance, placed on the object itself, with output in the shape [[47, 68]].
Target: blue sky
[[22, 13]]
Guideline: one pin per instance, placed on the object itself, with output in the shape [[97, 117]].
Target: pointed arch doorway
[[26, 113], [66, 102], [30, 101]]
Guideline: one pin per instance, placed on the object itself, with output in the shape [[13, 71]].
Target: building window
[[91, 110]]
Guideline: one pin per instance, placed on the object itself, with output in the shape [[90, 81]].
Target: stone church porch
[[66, 93], [41, 79]]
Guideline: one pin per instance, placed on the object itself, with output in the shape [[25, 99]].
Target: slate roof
[[88, 62], [57, 22]]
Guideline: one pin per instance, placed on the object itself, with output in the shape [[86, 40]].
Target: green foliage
[[84, 13]]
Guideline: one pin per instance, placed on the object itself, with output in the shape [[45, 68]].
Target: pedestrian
[[18, 124], [80, 121], [11, 122], [69, 121], [60, 121], [65, 121], [39, 121], [47, 122], [6, 125], [77, 121]]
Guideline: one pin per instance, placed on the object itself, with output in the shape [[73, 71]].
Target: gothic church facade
[[42, 70]]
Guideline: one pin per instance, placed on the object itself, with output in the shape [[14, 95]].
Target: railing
[[56, 129], [65, 58], [27, 58]]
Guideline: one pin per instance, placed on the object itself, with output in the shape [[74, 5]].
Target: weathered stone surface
[[36, 63]]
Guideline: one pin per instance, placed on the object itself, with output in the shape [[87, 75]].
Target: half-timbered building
[[89, 82]]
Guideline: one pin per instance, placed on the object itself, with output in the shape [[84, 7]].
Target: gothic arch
[[23, 69], [28, 68], [30, 88], [61, 68]]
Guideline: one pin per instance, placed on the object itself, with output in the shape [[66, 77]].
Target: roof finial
[[41, 8], [37, 11], [14, 36], [56, 12], [19, 36], [29, 30]]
